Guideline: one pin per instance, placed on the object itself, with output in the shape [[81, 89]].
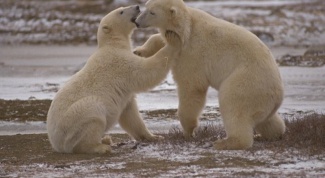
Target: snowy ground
[[37, 72], [25, 74], [276, 22], [29, 75]]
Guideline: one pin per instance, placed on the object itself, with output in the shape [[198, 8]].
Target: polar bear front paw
[[155, 138], [152, 138], [102, 149], [158, 137], [107, 140], [138, 52], [188, 135]]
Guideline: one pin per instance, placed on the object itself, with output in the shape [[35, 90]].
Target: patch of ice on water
[[24, 88], [13, 128], [312, 164]]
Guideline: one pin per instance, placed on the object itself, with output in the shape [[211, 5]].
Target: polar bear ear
[[106, 29], [173, 11]]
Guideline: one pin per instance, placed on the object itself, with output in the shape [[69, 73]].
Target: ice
[[24, 75], [13, 128], [304, 90]]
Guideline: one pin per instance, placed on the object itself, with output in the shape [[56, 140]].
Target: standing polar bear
[[226, 57], [103, 92]]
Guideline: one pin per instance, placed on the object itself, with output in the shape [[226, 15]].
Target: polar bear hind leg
[[91, 138], [239, 134], [87, 122], [272, 128], [239, 111]]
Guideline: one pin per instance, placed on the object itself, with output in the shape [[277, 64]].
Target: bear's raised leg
[[131, 121], [151, 46], [271, 128], [191, 103]]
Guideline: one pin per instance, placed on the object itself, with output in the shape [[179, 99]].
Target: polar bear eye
[[121, 12], [152, 13]]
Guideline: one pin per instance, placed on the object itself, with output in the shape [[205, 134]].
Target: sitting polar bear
[[222, 55], [103, 92]]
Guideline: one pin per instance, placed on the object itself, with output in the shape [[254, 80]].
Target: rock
[[313, 57]]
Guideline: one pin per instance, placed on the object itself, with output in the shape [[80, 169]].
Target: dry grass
[[306, 130], [204, 134], [304, 133]]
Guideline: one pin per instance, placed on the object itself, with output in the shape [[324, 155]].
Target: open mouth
[[133, 21]]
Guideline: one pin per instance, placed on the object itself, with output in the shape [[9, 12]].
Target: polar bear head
[[171, 15], [118, 23]]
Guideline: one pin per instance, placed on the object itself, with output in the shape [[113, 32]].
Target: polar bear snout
[[141, 20], [136, 10]]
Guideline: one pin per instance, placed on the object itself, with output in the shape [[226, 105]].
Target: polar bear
[[103, 92], [226, 57]]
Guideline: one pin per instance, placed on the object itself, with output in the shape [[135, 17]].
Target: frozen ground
[[25, 74], [276, 22], [37, 72], [130, 159]]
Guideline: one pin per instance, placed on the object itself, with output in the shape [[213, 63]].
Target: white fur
[[103, 92], [227, 57]]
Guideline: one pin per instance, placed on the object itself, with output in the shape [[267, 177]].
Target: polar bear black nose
[[137, 7]]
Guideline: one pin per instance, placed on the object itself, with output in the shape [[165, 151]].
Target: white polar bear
[[103, 92], [222, 55]]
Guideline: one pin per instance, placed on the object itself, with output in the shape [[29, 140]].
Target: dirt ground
[[31, 155]]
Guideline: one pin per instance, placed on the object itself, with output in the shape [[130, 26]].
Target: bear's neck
[[182, 27]]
